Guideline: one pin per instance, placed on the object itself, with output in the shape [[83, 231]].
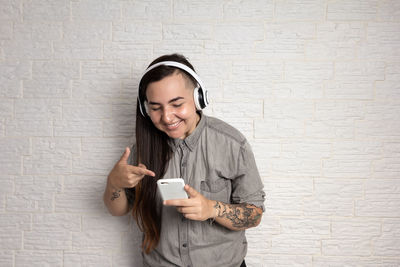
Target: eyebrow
[[172, 100]]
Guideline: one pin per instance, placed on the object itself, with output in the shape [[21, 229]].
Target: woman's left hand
[[196, 207]]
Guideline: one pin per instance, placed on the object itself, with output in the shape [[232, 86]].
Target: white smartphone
[[172, 188]]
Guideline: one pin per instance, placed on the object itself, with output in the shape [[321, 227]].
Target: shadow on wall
[[108, 125], [123, 120]]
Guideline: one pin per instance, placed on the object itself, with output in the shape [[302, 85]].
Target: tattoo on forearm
[[241, 215], [116, 194], [217, 206]]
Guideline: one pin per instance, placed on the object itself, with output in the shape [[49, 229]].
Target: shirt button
[[183, 164], [184, 245]]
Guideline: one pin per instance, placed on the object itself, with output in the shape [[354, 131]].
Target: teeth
[[173, 124]]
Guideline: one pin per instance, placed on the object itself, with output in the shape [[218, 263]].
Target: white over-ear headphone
[[200, 94]]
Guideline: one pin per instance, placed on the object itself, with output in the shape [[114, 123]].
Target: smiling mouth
[[173, 126]]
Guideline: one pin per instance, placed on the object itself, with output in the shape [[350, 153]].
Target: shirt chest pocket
[[216, 189]]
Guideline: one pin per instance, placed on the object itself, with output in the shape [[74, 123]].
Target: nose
[[167, 115]]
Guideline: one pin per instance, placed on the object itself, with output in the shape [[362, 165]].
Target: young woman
[[175, 139]]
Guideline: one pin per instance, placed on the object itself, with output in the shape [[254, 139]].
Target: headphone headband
[[200, 93], [176, 65]]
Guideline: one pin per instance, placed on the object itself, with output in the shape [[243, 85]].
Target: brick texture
[[314, 85]]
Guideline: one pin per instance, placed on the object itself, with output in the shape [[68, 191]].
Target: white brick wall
[[313, 84]]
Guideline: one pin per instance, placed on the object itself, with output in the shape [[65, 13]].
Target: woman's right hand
[[124, 175]]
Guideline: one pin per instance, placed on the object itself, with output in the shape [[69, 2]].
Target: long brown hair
[[153, 150]]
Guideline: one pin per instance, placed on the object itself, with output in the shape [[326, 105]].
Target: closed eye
[[155, 107], [177, 105]]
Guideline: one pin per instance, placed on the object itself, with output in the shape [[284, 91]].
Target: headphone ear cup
[[200, 98], [142, 107], [146, 108], [196, 98]]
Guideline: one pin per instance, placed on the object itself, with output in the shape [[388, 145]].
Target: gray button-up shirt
[[217, 161]]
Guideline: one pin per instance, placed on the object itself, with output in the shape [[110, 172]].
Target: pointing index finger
[[149, 173], [141, 171]]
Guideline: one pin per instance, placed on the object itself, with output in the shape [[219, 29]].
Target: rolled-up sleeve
[[247, 187]]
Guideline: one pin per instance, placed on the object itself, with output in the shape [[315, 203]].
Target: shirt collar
[[193, 138]]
